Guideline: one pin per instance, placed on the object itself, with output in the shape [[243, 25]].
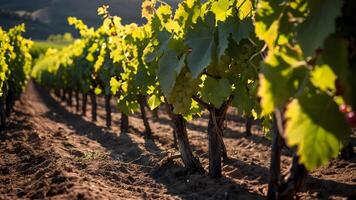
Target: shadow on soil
[[170, 173], [177, 180]]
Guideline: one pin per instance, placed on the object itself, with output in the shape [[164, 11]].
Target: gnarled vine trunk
[[287, 188], [93, 106], [124, 123], [275, 168], [347, 152], [191, 163], [63, 98], [2, 113], [248, 125], [70, 98], [155, 113], [142, 102], [181, 140], [57, 92], [169, 110], [108, 110], [10, 101], [217, 147], [84, 103], [294, 181], [77, 105], [214, 146]]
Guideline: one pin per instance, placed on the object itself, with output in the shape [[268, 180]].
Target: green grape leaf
[[216, 91], [245, 8], [266, 21], [127, 105], [315, 125], [323, 78], [221, 9], [169, 68], [115, 85], [224, 30], [232, 26], [280, 78], [335, 55], [164, 37], [164, 13], [242, 100], [143, 76], [103, 10], [201, 40], [318, 25], [98, 90], [243, 30], [154, 101]]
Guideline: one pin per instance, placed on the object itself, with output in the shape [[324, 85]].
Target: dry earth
[[49, 151]]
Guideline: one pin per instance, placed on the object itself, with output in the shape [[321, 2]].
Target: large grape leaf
[[242, 100], [224, 30], [323, 78], [266, 21], [244, 8], [201, 39], [154, 101], [127, 104], [243, 30], [164, 13], [235, 27], [221, 9], [315, 125], [335, 55], [318, 25], [164, 37], [169, 68], [216, 91], [280, 78]]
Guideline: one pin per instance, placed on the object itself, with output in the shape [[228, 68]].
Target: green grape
[[242, 55], [182, 92]]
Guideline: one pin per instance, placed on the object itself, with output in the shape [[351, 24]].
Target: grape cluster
[[242, 54], [349, 114], [184, 88]]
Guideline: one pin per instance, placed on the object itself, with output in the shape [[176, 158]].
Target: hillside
[[45, 17]]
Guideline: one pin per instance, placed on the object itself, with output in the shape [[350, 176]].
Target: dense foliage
[[281, 60], [15, 60], [15, 66]]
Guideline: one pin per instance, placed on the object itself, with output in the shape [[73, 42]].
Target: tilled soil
[[49, 151]]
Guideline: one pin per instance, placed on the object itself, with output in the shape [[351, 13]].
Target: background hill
[[45, 17]]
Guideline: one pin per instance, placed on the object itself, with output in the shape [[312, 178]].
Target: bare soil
[[49, 151]]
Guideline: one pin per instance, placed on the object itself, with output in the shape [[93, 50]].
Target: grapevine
[[289, 64]]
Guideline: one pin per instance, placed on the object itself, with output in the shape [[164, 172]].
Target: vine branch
[[201, 102]]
